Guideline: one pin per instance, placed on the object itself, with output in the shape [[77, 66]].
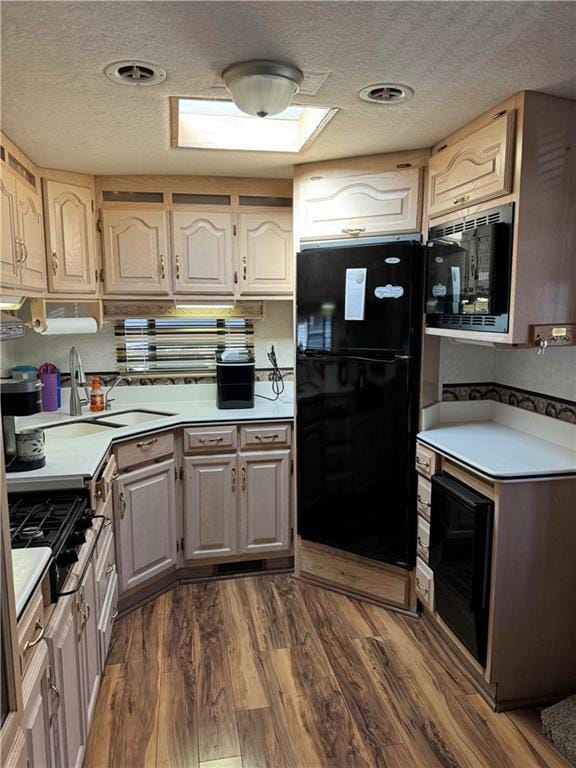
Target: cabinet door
[[476, 168], [87, 608], [343, 203], [31, 229], [135, 252], [210, 491], [61, 636], [265, 251], [36, 715], [145, 512], [265, 523], [10, 251], [203, 252], [71, 257]]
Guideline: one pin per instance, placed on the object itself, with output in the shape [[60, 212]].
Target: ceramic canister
[[30, 446]]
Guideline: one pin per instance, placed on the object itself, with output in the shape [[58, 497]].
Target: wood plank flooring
[[270, 672]]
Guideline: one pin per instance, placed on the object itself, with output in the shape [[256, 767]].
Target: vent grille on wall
[[465, 225], [464, 321]]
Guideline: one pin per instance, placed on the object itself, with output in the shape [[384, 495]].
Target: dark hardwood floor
[[269, 672]]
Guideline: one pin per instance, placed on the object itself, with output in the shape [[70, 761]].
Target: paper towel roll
[[58, 326]]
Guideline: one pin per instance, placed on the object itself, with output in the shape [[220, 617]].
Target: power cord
[[275, 377]]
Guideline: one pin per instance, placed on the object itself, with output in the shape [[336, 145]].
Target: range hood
[[11, 327]]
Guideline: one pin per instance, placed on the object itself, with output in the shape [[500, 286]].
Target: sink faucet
[[77, 379], [107, 398]]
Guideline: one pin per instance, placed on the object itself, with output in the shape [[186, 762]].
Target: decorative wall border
[[547, 405], [108, 377]]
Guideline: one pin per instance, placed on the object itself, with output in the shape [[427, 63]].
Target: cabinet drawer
[[145, 449], [101, 489], [260, 437], [30, 629], [210, 439], [424, 497], [425, 461], [424, 583], [423, 539]]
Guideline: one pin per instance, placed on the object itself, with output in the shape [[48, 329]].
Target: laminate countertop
[[501, 441], [28, 567], [72, 459]]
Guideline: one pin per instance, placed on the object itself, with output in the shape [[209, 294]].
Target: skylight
[[203, 124]]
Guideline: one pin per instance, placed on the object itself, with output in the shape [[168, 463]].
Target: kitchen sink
[[77, 429], [128, 418]]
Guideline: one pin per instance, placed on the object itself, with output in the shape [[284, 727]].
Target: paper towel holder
[[39, 315]]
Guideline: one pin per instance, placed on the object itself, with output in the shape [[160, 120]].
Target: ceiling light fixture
[[261, 87], [386, 93]]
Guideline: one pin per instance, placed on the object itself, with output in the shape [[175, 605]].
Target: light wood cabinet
[[70, 238], [68, 713], [37, 695], [264, 514], [15, 756], [473, 169], [202, 252], [22, 255], [136, 256], [145, 513], [265, 253], [344, 202], [210, 486], [87, 613]]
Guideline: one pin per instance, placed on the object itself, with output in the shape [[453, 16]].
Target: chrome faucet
[[77, 379], [107, 398]]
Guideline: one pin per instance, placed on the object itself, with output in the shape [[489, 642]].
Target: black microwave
[[468, 272]]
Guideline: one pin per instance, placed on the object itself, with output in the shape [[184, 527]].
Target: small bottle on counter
[[96, 396]]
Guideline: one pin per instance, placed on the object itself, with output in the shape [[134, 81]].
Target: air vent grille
[[493, 216], [386, 93], [472, 322], [135, 73]]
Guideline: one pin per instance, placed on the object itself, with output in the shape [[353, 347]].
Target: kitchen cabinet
[[472, 169], [203, 252], [264, 513], [265, 253], [88, 639], [210, 486], [145, 514], [15, 756], [70, 238], [37, 693], [357, 198], [135, 251], [22, 253], [68, 715]]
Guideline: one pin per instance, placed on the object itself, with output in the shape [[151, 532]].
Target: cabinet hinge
[[181, 473], [234, 229], [102, 275]]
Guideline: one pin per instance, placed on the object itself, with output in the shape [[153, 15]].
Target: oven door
[[460, 551]]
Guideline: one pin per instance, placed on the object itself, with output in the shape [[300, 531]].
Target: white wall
[[553, 373], [98, 349]]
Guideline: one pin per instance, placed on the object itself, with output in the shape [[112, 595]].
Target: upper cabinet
[[135, 251], [472, 169], [202, 247], [70, 238], [11, 252], [265, 251], [360, 197]]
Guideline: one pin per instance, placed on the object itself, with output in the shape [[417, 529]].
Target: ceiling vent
[[135, 73], [386, 93]]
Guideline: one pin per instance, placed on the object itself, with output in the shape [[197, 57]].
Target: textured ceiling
[[460, 58]]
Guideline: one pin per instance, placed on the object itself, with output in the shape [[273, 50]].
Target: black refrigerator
[[359, 320]]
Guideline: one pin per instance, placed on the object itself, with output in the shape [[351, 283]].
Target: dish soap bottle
[[96, 396]]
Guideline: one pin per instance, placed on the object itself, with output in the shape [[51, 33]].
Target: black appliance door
[[388, 276], [460, 552], [355, 452]]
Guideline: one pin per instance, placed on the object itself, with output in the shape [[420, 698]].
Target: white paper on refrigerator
[[355, 298]]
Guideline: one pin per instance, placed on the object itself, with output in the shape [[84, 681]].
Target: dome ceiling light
[[261, 87], [386, 93]]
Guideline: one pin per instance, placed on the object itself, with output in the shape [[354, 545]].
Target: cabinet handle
[[422, 463], [205, 440], [54, 263], [107, 522], [177, 267], [421, 501], [147, 443], [244, 268], [233, 479], [20, 256], [84, 609], [243, 483], [260, 438], [235, 277], [57, 696], [36, 640], [421, 586], [25, 250], [354, 230], [115, 614], [461, 199], [162, 267], [109, 569], [122, 506]]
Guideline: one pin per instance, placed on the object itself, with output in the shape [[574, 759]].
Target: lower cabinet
[[237, 504], [36, 720], [88, 641], [145, 512]]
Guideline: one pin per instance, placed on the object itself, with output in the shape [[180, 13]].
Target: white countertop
[[70, 460], [501, 441], [28, 566]]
